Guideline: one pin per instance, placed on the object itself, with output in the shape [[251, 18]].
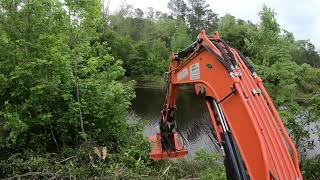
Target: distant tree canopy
[[183, 23]]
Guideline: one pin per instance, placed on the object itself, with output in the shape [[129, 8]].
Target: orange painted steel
[[158, 153], [223, 75]]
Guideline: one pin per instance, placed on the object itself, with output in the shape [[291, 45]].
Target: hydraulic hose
[[186, 51], [223, 53], [233, 60], [246, 62], [219, 58]]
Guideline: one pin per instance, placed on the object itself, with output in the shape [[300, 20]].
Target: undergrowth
[[129, 161]]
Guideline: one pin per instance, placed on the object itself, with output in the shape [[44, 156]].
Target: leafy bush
[[310, 168], [129, 162], [203, 165], [58, 89]]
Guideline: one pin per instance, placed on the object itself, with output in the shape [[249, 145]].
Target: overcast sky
[[300, 17]]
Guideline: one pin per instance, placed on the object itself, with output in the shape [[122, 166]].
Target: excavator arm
[[246, 123]]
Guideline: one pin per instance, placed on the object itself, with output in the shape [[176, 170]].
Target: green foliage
[[145, 42], [178, 9], [159, 56], [37, 74], [201, 17], [204, 166], [307, 53], [131, 162], [181, 38], [211, 171], [143, 55], [59, 79], [235, 31], [268, 43], [310, 169]]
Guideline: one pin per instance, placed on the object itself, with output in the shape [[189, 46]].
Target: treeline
[[145, 40], [61, 66]]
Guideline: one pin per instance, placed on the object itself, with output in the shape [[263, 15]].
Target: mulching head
[[166, 147]]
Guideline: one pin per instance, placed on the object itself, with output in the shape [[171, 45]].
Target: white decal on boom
[[194, 71], [181, 75]]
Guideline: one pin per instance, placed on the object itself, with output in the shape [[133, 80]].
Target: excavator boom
[[246, 123]]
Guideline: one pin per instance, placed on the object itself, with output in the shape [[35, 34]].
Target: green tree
[[235, 31], [178, 9], [122, 21], [201, 17], [268, 43], [102, 102], [37, 76], [163, 29], [159, 56], [307, 53], [181, 38], [293, 87], [58, 79], [151, 13]]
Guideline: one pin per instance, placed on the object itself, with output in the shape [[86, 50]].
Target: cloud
[[301, 18]]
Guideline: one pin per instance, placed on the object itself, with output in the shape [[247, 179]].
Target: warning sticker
[[181, 75], [194, 71]]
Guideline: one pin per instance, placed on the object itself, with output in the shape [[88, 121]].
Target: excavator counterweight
[[246, 123]]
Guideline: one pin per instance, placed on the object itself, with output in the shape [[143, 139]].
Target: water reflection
[[193, 120]]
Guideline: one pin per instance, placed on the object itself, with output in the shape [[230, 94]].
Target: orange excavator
[[247, 125]]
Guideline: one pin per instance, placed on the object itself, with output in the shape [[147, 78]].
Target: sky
[[302, 18]]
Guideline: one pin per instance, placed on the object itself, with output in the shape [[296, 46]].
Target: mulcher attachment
[[166, 146]]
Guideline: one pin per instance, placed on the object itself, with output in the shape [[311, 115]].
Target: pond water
[[193, 120]]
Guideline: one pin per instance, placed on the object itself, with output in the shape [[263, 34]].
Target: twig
[[54, 139], [166, 170], [54, 177], [45, 174], [65, 160], [189, 177]]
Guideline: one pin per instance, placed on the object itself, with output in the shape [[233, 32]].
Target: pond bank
[[147, 81]]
